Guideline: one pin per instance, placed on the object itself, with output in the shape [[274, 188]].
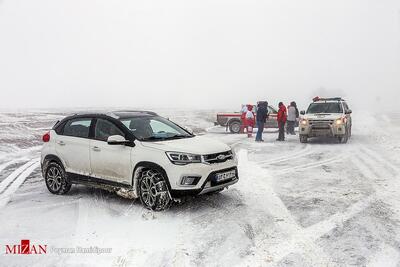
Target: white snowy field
[[315, 204]]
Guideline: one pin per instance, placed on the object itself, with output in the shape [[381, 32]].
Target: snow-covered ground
[[316, 204]]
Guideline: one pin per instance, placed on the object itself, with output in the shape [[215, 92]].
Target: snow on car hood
[[195, 145], [332, 116]]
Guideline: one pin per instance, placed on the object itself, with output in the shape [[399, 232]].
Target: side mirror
[[349, 111], [117, 140], [302, 112]]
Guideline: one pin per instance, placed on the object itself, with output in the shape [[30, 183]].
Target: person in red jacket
[[250, 120], [243, 118], [282, 117]]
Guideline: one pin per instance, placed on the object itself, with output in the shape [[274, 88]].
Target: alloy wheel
[[54, 178]]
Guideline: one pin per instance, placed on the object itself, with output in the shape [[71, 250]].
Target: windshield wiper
[[176, 136], [179, 136], [151, 138]]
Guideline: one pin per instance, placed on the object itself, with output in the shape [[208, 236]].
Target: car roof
[[121, 114], [118, 114], [115, 115]]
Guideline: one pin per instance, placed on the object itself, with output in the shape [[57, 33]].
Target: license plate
[[219, 177]]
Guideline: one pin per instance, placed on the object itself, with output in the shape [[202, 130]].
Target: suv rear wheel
[[55, 179], [153, 190]]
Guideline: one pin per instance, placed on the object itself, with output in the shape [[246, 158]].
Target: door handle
[[61, 143], [96, 148]]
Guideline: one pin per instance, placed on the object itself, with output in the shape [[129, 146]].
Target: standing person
[[288, 123], [249, 120], [281, 121], [293, 114], [243, 118], [262, 115]]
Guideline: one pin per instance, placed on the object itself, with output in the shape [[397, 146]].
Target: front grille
[[320, 132], [321, 124], [218, 157]]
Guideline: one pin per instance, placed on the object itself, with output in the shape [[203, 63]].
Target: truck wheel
[[153, 190], [303, 138], [55, 179], [343, 139], [234, 127]]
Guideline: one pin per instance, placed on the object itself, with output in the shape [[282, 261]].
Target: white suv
[[137, 154], [329, 117]]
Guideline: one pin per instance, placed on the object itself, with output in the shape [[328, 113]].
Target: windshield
[[154, 128], [332, 107]]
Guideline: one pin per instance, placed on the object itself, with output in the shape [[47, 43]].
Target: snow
[[315, 204]]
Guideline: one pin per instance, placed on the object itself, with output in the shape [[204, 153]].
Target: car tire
[[343, 139], [56, 179], [153, 190], [303, 138], [234, 126]]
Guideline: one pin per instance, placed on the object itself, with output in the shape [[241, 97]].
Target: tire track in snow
[[5, 165], [387, 163], [7, 181], [6, 195], [387, 190], [301, 239], [22, 153], [299, 242], [309, 165], [303, 152], [386, 182], [273, 254]]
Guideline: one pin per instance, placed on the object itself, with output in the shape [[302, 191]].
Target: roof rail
[[327, 99], [137, 111]]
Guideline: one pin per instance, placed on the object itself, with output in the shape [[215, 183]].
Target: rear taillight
[[46, 137]]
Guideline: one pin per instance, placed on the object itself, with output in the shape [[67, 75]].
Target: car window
[[77, 127], [160, 127], [154, 128], [329, 107], [105, 129]]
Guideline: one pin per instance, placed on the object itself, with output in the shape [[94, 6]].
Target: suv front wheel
[[153, 190]]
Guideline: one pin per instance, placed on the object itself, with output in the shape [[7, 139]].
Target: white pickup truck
[[328, 117]]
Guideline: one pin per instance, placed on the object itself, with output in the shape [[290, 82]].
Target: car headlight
[[179, 158], [340, 121], [303, 121]]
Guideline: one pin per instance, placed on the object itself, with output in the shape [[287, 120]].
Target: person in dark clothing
[[282, 117], [262, 115]]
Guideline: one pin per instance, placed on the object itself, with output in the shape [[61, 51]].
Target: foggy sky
[[197, 54]]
